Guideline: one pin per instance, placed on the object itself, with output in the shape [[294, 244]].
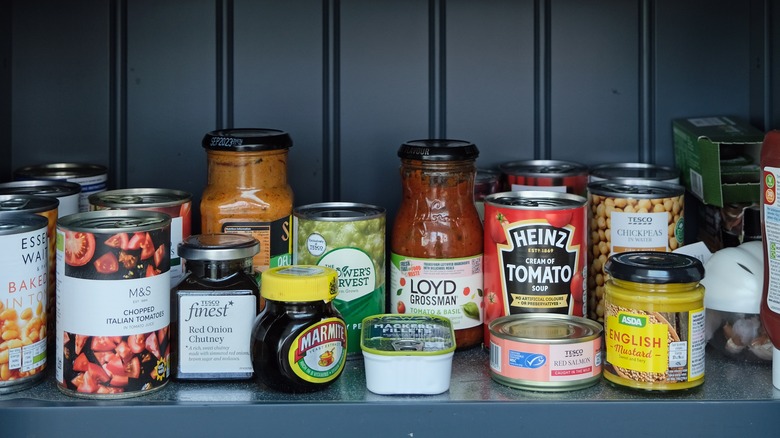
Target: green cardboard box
[[718, 158]]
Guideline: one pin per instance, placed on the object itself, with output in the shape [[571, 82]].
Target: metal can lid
[[536, 199], [438, 150], [299, 283], [139, 198], [647, 171], [247, 140], [545, 328], [28, 203], [114, 221], [407, 335], [635, 188], [654, 267], [543, 168], [218, 247], [60, 171], [339, 211], [16, 223], [486, 176], [42, 187]]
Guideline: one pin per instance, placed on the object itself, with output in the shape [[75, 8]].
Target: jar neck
[[656, 288], [448, 180], [218, 270], [297, 306], [247, 169]]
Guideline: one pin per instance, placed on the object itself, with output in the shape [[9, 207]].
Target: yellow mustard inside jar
[[654, 323]]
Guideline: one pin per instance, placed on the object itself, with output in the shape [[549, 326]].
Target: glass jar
[[299, 341], [216, 305], [247, 190], [654, 321], [436, 241]]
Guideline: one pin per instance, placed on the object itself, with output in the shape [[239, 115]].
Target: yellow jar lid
[[299, 283]]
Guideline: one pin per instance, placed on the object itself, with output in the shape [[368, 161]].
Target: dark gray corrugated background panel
[[5, 90], [383, 90], [170, 92], [136, 84], [490, 77], [278, 70], [60, 82]]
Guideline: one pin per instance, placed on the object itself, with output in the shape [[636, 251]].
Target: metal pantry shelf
[[737, 398]]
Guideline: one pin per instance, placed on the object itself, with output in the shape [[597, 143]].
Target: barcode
[[697, 185], [495, 357], [476, 266]]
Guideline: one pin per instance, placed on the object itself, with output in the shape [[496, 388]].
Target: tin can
[[47, 207], [175, 203], [545, 352], [534, 261], [553, 175], [486, 183], [654, 326], [92, 178], [23, 299], [645, 171], [66, 192], [629, 215], [113, 308], [349, 238]]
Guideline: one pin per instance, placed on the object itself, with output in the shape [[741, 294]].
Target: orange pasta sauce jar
[[247, 190]]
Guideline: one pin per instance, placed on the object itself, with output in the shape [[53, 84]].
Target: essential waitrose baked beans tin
[[534, 261], [23, 298], [92, 178], [629, 215], [66, 192], [650, 172], [113, 303], [349, 238], [545, 352], [175, 203], [47, 207], [553, 175]]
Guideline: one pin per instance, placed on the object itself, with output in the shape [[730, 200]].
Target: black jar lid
[[247, 140], [438, 150], [654, 267], [218, 247]]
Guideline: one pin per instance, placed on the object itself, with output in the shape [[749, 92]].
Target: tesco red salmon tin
[[534, 258], [552, 175], [545, 352], [113, 303]]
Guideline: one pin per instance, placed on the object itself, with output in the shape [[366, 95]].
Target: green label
[[633, 320]]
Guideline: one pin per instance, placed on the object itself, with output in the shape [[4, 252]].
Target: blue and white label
[[522, 359]]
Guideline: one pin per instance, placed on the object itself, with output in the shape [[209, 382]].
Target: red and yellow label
[[318, 354]]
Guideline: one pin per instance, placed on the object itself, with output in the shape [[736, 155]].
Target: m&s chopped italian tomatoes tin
[[113, 303], [534, 254]]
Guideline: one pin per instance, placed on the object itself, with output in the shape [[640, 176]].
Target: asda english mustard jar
[[654, 324], [299, 340]]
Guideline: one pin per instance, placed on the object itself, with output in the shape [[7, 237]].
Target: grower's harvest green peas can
[[349, 238]]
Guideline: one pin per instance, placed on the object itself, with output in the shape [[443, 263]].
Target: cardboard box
[[718, 158]]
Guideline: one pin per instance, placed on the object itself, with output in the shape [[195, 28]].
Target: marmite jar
[[247, 190], [436, 241], [299, 340]]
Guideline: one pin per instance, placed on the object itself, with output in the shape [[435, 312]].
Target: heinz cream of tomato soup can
[[545, 352], [92, 178], [534, 262], [175, 203], [23, 296], [113, 303]]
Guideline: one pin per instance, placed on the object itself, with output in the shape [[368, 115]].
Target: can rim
[[62, 170], [362, 212], [588, 329], [114, 221], [543, 168], [635, 188], [12, 223], [31, 204], [145, 197], [534, 199]]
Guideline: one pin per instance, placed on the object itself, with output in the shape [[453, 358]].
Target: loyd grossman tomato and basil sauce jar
[[247, 190], [654, 323], [299, 340], [436, 242]]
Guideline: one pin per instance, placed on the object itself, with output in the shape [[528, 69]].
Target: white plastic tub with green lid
[[407, 354]]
